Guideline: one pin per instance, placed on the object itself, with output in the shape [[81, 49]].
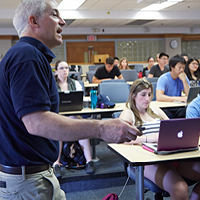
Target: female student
[[150, 64], [64, 83], [123, 64], [192, 71], [167, 176]]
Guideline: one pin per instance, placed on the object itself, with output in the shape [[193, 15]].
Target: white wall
[[172, 52]]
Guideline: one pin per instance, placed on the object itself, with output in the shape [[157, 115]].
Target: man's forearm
[[57, 127]]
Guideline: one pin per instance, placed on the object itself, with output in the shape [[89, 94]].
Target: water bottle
[[93, 97]]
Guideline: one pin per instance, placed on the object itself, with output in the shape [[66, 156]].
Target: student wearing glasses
[[192, 71], [160, 68], [65, 83]]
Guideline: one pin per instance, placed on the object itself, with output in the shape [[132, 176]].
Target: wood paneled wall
[[75, 50]]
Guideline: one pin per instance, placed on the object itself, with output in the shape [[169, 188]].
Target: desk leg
[[94, 141], [139, 182]]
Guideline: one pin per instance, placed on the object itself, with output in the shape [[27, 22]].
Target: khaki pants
[[39, 186]]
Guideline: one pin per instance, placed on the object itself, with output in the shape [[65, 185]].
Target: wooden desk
[[137, 156]]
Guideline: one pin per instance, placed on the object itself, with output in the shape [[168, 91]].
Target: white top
[[78, 86]]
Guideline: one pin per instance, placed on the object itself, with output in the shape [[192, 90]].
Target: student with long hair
[[168, 176], [150, 64], [123, 63], [192, 71], [65, 83]]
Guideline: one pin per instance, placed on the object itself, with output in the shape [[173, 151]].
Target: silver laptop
[[176, 135], [70, 101]]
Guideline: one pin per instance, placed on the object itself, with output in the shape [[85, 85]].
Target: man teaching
[[30, 125]]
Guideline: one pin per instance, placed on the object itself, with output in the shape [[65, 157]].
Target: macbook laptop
[[193, 93], [70, 101], [176, 135]]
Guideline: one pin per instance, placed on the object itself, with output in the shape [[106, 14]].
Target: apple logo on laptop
[[180, 134]]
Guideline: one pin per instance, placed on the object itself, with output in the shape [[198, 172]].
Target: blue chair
[[154, 90], [129, 74], [147, 72], [82, 84], [114, 80], [89, 75], [75, 75], [154, 79], [94, 67], [116, 114], [139, 68], [117, 92]]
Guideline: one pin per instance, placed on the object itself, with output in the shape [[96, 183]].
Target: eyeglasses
[[62, 68], [164, 58]]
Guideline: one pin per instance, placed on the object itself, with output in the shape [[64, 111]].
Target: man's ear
[[33, 21]]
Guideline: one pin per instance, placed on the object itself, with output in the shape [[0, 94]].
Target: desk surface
[[88, 85], [119, 107], [137, 156]]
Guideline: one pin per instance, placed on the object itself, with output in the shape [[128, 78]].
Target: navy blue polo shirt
[[26, 85]]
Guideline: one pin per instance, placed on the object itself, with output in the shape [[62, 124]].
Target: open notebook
[[193, 93], [176, 135]]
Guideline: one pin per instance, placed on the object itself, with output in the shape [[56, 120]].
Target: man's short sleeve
[[161, 83], [118, 73], [98, 73], [193, 109], [29, 88], [152, 70]]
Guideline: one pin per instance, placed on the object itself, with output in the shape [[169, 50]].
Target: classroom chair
[[139, 68], [82, 84], [129, 74], [89, 75], [75, 75], [147, 72], [94, 67], [154, 90], [154, 79], [114, 80], [117, 92]]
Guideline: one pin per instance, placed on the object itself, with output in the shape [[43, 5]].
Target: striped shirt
[[151, 127]]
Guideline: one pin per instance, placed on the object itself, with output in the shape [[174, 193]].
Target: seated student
[[167, 176], [150, 64], [64, 83], [123, 64], [185, 56], [193, 109], [116, 61], [192, 71], [160, 68], [107, 72], [171, 85]]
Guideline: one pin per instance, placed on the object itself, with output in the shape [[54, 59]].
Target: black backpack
[[72, 155]]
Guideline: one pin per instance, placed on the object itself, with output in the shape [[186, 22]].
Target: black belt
[[27, 169]]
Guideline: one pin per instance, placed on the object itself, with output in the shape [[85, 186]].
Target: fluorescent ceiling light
[[70, 4], [160, 6]]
